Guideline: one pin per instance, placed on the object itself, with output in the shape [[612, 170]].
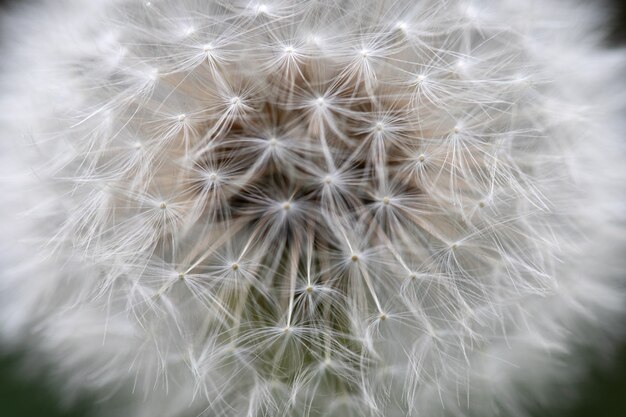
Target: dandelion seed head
[[310, 208]]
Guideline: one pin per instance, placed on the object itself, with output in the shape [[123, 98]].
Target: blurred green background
[[602, 393]]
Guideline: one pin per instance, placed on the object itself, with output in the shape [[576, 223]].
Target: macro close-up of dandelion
[[231, 208]]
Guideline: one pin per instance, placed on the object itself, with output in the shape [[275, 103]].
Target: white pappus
[[294, 208]]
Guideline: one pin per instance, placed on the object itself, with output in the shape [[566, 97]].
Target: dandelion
[[310, 208]]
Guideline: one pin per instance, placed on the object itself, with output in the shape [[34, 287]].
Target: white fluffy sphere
[[310, 208]]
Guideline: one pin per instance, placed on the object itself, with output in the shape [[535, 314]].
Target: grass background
[[602, 391]]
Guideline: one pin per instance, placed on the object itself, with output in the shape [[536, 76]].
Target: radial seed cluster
[[306, 208]]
